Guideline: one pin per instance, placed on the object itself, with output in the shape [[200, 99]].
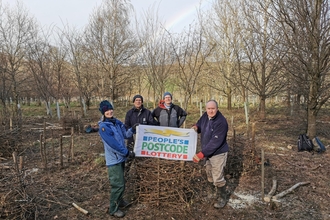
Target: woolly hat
[[138, 96], [167, 93], [105, 106]]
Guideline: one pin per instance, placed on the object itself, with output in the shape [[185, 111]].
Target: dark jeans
[[117, 183]]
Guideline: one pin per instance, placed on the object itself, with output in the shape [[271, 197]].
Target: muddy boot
[[222, 197], [119, 214]]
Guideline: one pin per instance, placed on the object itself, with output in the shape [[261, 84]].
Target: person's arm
[[155, 116], [182, 116], [107, 136], [127, 120], [128, 133], [150, 119]]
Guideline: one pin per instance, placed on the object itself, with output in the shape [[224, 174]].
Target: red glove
[[198, 157]]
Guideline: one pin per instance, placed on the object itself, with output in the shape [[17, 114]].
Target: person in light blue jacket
[[113, 133]]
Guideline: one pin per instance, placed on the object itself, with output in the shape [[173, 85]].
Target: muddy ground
[[39, 192]]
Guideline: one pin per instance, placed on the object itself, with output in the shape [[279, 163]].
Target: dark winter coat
[[213, 134], [142, 116], [172, 117]]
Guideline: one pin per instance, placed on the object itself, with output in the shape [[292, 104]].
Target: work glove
[[130, 155], [134, 128], [195, 128], [198, 157]]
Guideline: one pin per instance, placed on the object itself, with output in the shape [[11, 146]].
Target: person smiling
[[167, 114], [138, 115], [213, 128], [113, 134]]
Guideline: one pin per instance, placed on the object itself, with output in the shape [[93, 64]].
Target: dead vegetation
[[162, 189]]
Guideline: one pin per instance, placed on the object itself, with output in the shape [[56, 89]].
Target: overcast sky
[[176, 13]]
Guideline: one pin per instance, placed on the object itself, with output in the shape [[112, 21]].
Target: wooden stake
[[72, 143], [61, 151], [45, 154], [41, 148], [253, 135], [10, 124], [15, 161], [21, 163], [262, 174]]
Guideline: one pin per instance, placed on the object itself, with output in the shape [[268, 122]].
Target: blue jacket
[[213, 134], [113, 134]]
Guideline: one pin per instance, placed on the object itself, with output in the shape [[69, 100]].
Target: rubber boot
[[119, 214], [222, 197]]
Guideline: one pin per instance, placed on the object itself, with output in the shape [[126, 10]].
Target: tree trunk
[[311, 125], [229, 104], [262, 112]]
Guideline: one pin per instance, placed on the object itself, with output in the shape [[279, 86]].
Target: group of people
[[212, 126]]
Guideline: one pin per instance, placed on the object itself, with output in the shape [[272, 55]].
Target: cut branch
[[285, 192], [80, 209], [268, 197]]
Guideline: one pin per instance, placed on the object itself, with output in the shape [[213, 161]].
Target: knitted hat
[[138, 96], [105, 106], [167, 93]]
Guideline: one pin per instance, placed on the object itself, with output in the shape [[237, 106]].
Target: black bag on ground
[[304, 143]]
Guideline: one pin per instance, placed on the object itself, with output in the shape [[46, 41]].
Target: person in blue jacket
[[213, 128], [113, 134]]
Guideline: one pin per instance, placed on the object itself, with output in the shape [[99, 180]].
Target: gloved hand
[[195, 128], [198, 157], [130, 155], [134, 126]]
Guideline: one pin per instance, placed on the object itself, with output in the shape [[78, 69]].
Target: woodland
[[265, 62]]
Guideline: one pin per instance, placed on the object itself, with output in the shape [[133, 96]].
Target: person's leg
[[218, 163], [208, 169], [211, 192], [117, 183]]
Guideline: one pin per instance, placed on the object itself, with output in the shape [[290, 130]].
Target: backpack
[[319, 146], [304, 143]]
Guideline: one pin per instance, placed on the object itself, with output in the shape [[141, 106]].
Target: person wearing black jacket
[[167, 114], [213, 128], [138, 115]]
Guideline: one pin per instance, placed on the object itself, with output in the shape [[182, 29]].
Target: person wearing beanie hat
[[138, 96], [167, 114], [138, 115], [167, 93], [113, 134]]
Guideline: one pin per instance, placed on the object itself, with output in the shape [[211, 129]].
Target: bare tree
[[305, 27], [85, 74], [261, 51], [222, 28], [191, 51], [111, 42], [16, 29], [40, 65], [154, 57]]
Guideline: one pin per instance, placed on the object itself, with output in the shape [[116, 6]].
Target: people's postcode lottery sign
[[165, 142]]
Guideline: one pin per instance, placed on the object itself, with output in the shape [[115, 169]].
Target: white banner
[[165, 142]]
